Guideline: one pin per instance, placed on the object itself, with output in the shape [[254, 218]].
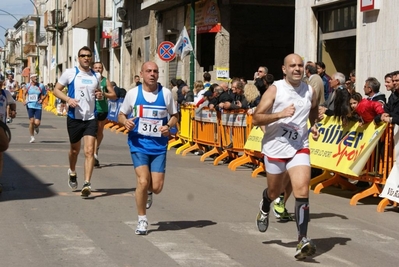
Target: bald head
[[293, 69], [150, 74]]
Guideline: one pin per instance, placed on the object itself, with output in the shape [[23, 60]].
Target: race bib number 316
[[149, 127]]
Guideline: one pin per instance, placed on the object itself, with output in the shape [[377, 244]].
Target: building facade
[[232, 38]]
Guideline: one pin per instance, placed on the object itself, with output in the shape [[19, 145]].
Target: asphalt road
[[205, 215]]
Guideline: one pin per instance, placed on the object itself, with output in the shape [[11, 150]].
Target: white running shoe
[[142, 228], [32, 139], [72, 180]]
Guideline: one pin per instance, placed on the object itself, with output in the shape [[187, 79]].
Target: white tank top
[[10, 86], [283, 138]]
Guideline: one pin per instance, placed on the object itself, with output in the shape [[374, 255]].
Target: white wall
[[377, 38]]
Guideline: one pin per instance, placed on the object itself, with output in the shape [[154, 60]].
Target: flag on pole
[[183, 45], [96, 54]]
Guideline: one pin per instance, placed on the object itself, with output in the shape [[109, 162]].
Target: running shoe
[[36, 130], [72, 180], [142, 227], [149, 200], [9, 120], [32, 139], [278, 207], [262, 219], [96, 163], [305, 248], [285, 216], [86, 189]]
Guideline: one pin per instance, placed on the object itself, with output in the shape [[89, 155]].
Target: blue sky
[[18, 8]]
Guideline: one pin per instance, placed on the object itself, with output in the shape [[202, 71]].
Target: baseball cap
[[208, 93], [33, 75]]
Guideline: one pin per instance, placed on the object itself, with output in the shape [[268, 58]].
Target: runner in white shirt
[[285, 109], [83, 90], [11, 85]]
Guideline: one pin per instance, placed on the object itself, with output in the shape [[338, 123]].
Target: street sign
[[165, 51]]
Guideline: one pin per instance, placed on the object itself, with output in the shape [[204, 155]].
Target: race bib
[[32, 98], [290, 133], [150, 127]]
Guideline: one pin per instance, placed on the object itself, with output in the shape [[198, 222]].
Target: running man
[[33, 98], [285, 109], [11, 86], [6, 101], [102, 108], [83, 90], [148, 112]]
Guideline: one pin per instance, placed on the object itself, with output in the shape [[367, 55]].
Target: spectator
[[321, 70], [314, 80], [137, 80], [391, 114], [238, 99], [365, 110], [173, 84], [226, 95], [120, 92], [207, 80], [199, 91], [389, 83], [188, 96], [372, 90], [180, 84], [252, 96], [260, 79], [337, 82]]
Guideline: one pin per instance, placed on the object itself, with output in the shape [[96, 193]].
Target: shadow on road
[[323, 245], [19, 183], [180, 225]]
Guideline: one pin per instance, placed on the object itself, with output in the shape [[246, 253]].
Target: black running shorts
[[78, 128]]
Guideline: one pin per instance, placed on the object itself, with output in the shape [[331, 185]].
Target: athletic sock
[[142, 217], [302, 216], [266, 201]]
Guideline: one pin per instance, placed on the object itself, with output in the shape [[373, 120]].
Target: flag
[[96, 54], [183, 45]]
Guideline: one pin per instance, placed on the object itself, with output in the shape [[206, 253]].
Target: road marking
[[67, 242], [185, 248]]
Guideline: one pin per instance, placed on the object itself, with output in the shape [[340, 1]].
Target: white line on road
[[186, 249]]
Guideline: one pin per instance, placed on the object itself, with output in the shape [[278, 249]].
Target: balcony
[[85, 13], [54, 20], [159, 4], [30, 50]]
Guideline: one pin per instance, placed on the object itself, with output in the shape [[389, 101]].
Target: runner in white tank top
[[284, 109]]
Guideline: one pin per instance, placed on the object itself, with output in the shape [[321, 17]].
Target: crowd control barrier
[[206, 133], [345, 153], [185, 136]]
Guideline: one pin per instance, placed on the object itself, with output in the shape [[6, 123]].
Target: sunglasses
[[86, 56]]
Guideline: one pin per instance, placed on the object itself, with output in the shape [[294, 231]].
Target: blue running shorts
[[156, 163]]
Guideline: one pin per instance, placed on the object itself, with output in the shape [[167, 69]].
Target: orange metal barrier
[[206, 133], [249, 156]]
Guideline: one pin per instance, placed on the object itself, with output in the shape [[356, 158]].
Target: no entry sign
[[165, 51]]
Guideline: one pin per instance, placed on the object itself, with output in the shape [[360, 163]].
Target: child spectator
[[366, 110]]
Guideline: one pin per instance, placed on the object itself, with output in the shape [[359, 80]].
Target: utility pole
[[98, 28], [192, 37]]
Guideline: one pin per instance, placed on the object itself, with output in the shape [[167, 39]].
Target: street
[[205, 215]]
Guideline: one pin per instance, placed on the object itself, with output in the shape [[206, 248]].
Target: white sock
[[142, 217]]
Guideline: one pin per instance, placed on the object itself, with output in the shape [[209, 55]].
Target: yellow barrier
[[186, 133]]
